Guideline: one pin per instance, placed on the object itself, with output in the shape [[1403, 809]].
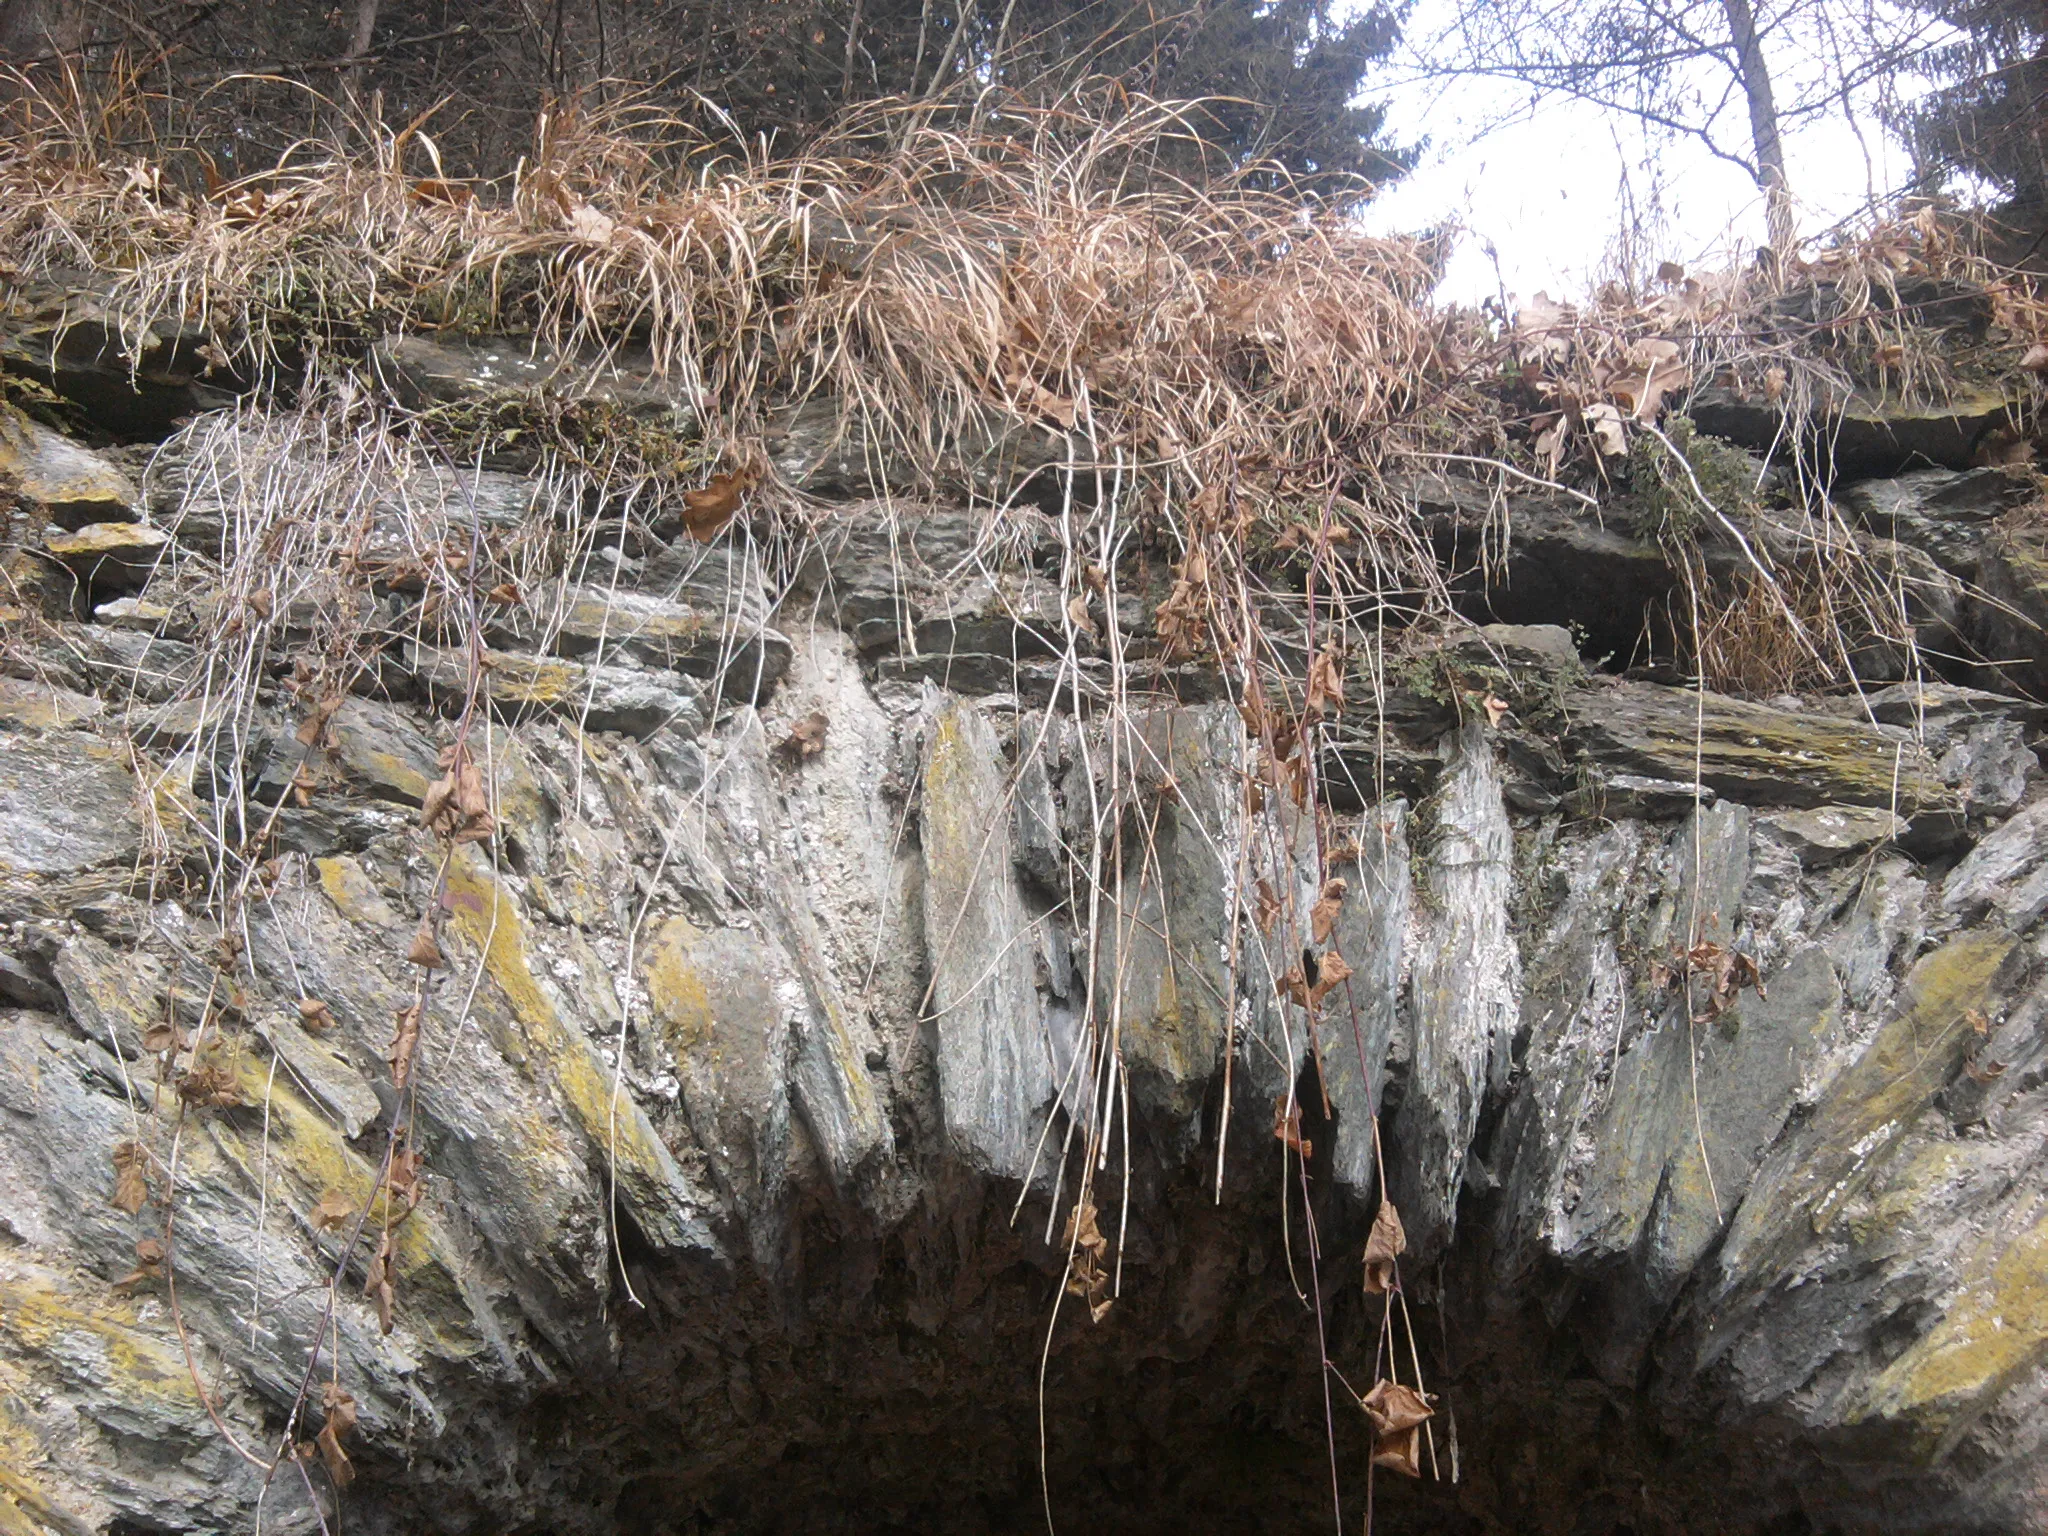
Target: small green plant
[[1663, 500]]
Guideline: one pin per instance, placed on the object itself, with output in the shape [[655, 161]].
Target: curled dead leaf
[[1077, 615], [1287, 1129], [1325, 683], [448, 194], [1182, 619], [406, 1182], [1322, 917], [1331, 970], [131, 1187], [1294, 987], [1603, 421], [2035, 358], [1398, 1414], [341, 1420], [405, 1039], [149, 1265], [333, 1212], [457, 805], [1268, 907], [380, 1280], [707, 511], [1727, 972], [1986, 1072], [1393, 1407], [210, 1085], [1088, 1275], [424, 949], [1383, 1246], [806, 738]]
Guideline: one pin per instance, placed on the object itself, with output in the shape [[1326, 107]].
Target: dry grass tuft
[[1038, 267]]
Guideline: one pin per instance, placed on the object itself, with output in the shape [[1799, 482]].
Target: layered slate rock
[[66, 484], [996, 1071], [834, 938], [1757, 754], [636, 700], [134, 383], [1864, 435]]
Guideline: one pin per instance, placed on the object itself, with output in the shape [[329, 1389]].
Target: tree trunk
[[40, 31], [1767, 147], [359, 44]]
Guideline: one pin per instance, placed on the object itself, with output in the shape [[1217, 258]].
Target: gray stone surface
[[766, 1000], [1466, 980], [995, 1063], [636, 700]]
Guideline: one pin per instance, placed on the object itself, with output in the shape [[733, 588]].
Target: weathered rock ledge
[[766, 1000]]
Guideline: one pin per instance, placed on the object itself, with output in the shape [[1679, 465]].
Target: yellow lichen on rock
[[1995, 1329], [613, 1124]]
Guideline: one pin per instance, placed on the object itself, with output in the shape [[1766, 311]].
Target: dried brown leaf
[[407, 1182], [1268, 908], [1287, 1129], [471, 799], [1399, 1452], [438, 798], [1603, 421], [1087, 1275], [1077, 615], [405, 1039], [706, 512], [380, 1281], [1385, 1244], [1326, 683], [313, 729], [1331, 970], [210, 1085], [806, 738], [341, 1420], [333, 1212], [1294, 987], [424, 950], [1322, 917], [448, 194], [131, 1188], [1393, 1407], [149, 1265]]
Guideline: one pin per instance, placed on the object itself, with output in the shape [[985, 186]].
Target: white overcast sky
[[1548, 193]]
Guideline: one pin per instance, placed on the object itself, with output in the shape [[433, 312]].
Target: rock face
[[834, 951]]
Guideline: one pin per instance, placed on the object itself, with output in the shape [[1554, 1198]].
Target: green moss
[[1659, 499], [600, 434]]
